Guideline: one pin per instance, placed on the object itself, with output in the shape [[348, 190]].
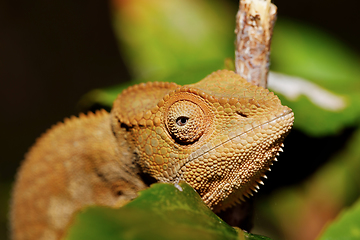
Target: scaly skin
[[220, 135], [232, 134], [75, 164]]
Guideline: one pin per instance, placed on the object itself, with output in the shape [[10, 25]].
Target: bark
[[254, 25]]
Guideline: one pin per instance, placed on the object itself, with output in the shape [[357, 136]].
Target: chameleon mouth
[[222, 178]]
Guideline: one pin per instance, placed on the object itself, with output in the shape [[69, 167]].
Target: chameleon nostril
[[242, 114]]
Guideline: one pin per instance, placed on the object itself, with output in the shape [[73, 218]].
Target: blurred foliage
[[347, 226], [160, 212], [307, 52], [182, 41], [160, 38], [320, 198]]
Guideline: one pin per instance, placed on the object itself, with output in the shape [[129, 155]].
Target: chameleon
[[220, 135]]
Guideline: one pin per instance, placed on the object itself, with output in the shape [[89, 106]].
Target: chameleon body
[[220, 135]]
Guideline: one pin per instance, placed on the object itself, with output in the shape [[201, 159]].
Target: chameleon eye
[[185, 122], [181, 121]]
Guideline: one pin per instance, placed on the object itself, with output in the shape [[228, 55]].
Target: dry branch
[[254, 25]]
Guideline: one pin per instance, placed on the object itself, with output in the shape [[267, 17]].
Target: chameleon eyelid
[[185, 122]]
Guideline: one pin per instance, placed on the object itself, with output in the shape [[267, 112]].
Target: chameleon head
[[220, 135]]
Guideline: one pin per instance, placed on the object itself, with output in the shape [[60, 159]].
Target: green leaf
[[160, 212], [346, 226], [170, 41], [303, 50], [159, 38], [107, 96], [307, 52]]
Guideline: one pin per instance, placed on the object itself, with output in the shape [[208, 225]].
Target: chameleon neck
[[76, 164]]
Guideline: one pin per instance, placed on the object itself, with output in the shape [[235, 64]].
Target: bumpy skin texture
[[220, 135], [75, 164], [222, 146]]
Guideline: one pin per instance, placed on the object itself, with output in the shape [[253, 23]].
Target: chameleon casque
[[219, 135]]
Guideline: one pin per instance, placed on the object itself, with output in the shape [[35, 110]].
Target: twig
[[254, 25]]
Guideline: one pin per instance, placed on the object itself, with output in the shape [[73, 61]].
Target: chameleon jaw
[[236, 176], [238, 194]]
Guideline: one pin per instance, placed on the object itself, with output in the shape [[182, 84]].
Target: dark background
[[53, 52]]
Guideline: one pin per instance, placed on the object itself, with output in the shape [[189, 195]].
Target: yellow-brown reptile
[[220, 135]]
